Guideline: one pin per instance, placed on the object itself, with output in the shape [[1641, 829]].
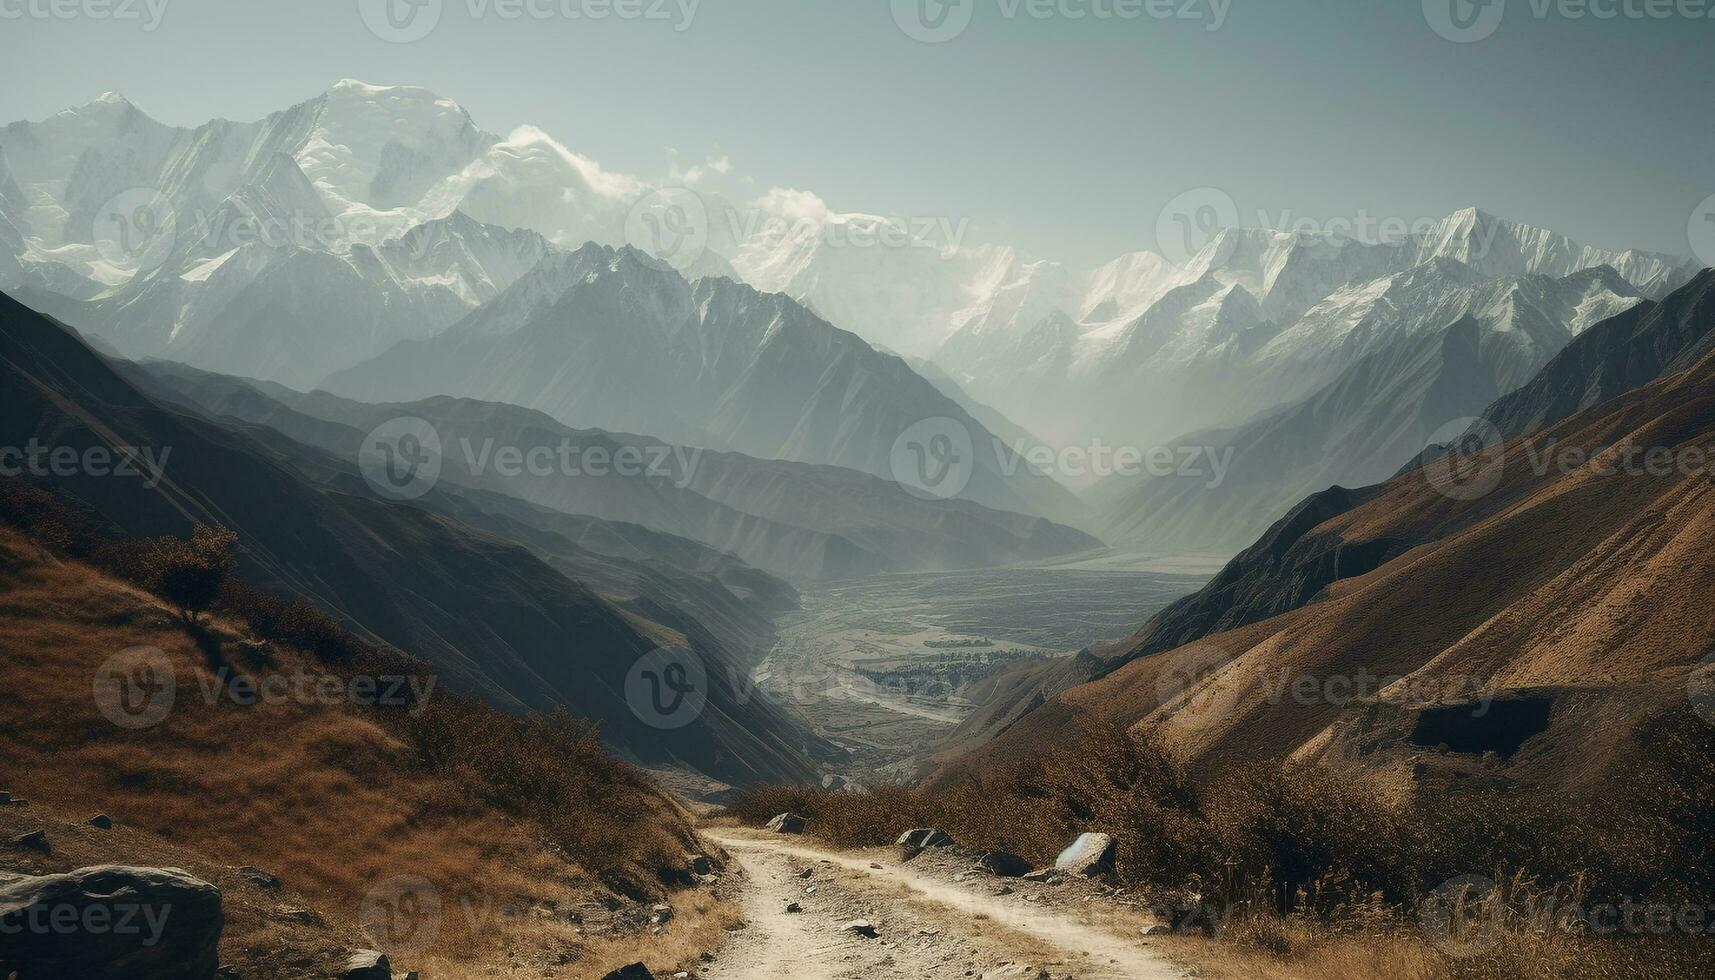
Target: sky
[[1064, 127]]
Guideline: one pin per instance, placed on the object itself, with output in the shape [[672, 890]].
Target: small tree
[[191, 574]]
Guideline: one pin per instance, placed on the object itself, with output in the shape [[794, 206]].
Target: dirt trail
[[929, 927]]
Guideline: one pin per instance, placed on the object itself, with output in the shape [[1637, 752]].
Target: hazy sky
[[1064, 135]]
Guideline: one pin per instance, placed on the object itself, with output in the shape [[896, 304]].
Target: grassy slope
[[332, 798]]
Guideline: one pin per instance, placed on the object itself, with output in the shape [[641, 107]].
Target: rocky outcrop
[[130, 924], [1090, 855], [367, 964], [915, 842], [788, 823], [1004, 865]]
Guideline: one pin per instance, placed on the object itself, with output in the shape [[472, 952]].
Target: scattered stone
[[661, 914], [788, 823], [793, 908], [1016, 971], [700, 865], [860, 927], [636, 971], [259, 878], [1090, 855], [1046, 876], [833, 783], [915, 842], [1003, 890], [807, 873], [101, 821], [35, 840], [874, 866], [367, 964], [811, 890], [1004, 865], [179, 937], [7, 799]]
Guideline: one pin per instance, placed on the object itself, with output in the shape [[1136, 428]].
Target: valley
[[883, 666]]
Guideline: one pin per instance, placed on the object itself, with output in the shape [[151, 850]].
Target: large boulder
[[1090, 855], [788, 823], [111, 923], [915, 842], [1004, 865]]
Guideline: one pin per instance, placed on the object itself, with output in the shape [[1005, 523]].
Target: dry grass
[[1318, 877], [499, 814]]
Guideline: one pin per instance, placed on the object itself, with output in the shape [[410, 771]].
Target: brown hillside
[[334, 798], [1578, 601]]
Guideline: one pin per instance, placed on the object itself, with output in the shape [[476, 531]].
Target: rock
[[1090, 855], [259, 878], [291, 913], [833, 783], [793, 908], [101, 821], [807, 873], [35, 840], [874, 866], [700, 865], [1004, 865], [915, 842], [155, 924], [367, 964], [661, 914], [788, 823], [1016, 971], [1001, 891], [636, 971], [1046, 876], [860, 927]]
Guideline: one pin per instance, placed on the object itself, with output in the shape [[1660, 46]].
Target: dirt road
[[928, 926]]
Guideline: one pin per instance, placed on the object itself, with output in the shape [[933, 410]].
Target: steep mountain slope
[[1540, 620], [492, 616], [1355, 432], [803, 522], [292, 310], [611, 339], [1375, 415], [1614, 357]]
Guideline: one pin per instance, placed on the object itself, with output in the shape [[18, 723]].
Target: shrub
[[190, 574]]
